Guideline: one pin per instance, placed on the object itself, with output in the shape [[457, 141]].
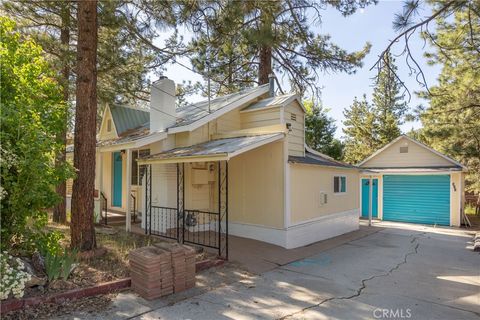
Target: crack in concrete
[[364, 281]]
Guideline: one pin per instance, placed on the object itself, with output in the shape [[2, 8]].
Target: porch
[[187, 197]]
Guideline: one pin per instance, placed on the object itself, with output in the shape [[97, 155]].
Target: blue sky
[[373, 24]]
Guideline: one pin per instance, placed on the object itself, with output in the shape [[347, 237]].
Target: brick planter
[[107, 287], [102, 288]]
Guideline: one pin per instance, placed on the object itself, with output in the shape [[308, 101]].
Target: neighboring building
[[236, 165], [413, 183]]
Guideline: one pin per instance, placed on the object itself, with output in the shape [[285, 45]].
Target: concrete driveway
[[400, 272]]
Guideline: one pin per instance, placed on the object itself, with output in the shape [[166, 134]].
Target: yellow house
[[234, 165], [411, 182]]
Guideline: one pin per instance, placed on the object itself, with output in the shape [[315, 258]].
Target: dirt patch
[[87, 305]]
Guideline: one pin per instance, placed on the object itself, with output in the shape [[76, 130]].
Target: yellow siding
[[417, 156], [306, 184], [256, 187], [199, 135], [229, 122], [260, 118], [456, 197], [296, 138], [104, 134]]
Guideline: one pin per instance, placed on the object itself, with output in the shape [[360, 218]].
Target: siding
[[417, 156], [104, 134], [260, 118], [229, 122], [308, 181], [256, 186], [296, 138]]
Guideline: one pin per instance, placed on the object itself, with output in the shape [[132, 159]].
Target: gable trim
[[114, 127], [376, 153], [216, 114]]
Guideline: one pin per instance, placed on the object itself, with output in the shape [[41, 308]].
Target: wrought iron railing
[[103, 207], [163, 221], [133, 207], [201, 228]]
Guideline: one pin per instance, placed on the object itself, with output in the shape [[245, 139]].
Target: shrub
[[13, 278], [60, 265]]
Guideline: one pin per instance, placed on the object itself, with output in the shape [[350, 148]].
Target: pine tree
[[451, 123], [388, 104], [82, 229], [320, 131], [361, 131], [239, 43]]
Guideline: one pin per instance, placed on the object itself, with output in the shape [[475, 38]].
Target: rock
[[36, 281], [38, 263]]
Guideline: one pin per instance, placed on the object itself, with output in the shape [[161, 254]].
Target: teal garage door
[[417, 198]]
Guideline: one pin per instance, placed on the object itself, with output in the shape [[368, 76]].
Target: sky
[[372, 24]]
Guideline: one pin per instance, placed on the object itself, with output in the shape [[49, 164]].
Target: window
[[339, 184], [109, 125], [138, 171], [403, 149]]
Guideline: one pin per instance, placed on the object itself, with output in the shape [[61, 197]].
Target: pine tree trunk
[[81, 227], [265, 67], [60, 210]]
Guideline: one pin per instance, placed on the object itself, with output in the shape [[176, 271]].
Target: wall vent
[[403, 149], [293, 117]]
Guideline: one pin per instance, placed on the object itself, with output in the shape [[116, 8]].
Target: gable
[[413, 155], [104, 133]]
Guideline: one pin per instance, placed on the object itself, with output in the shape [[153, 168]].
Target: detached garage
[[413, 183]]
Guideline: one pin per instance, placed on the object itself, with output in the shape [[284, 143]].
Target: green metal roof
[[126, 118]]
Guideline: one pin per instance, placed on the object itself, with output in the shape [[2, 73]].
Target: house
[[234, 165], [411, 182]]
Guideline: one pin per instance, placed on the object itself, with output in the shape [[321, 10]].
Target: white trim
[[416, 142], [256, 145], [264, 108], [216, 114], [300, 234], [213, 157], [103, 121], [151, 138], [286, 181], [258, 232], [322, 228], [420, 173], [293, 97], [340, 184]]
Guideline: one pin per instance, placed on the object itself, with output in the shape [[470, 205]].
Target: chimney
[[162, 104], [271, 82]]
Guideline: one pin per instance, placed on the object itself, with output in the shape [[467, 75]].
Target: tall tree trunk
[[81, 227], [60, 210], [265, 67]]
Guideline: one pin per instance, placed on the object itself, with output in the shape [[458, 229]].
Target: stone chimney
[[162, 104]]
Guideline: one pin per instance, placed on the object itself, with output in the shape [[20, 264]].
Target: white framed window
[[339, 184]]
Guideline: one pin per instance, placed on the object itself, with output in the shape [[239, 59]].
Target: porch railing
[[103, 207], [202, 228], [133, 208], [163, 221]]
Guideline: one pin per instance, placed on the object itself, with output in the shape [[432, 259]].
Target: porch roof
[[214, 150]]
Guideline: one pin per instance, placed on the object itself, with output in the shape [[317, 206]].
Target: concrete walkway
[[401, 271]]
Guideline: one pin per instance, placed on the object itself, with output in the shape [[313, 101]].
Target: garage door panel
[[417, 198]]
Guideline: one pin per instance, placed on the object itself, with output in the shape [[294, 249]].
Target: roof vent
[[271, 83], [403, 149]]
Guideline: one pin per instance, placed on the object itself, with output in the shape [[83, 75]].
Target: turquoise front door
[[417, 198], [366, 197], [117, 179]]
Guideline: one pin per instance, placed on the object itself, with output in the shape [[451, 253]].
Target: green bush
[[49, 243]]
